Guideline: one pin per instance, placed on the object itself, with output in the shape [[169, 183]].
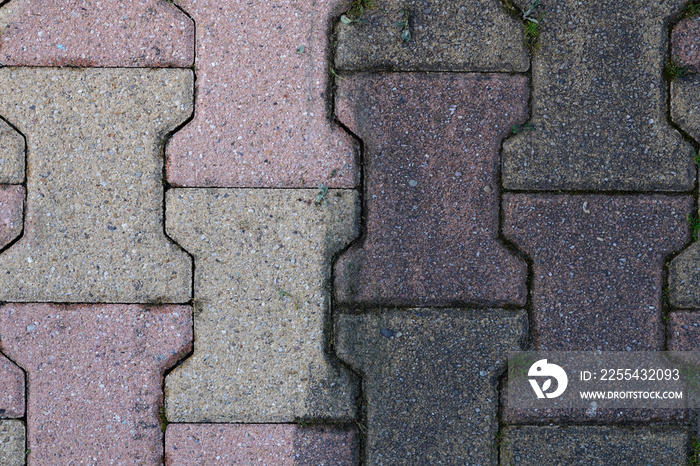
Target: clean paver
[[594, 446], [430, 380], [11, 213], [12, 152], [431, 189], [95, 375], [261, 116], [597, 266], [93, 229], [271, 444], [11, 389], [132, 33], [12, 443], [599, 103], [445, 36], [263, 264]]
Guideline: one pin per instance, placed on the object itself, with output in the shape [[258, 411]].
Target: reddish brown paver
[[95, 375], [270, 444], [597, 266], [685, 43], [261, 111], [11, 213], [11, 389], [684, 331], [144, 33], [431, 189]]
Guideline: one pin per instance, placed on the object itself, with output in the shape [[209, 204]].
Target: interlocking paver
[[429, 381], [11, 389], [685, 43], [273, 444], [470, 36], [599, 103], [95, 375], [594, 446], [11, 213], [431, 189], [93, 228], [12, 147], [684, 331], [685, 104], [261, 116], [597, 266], [263, 263], [12, 443], [144, 33]]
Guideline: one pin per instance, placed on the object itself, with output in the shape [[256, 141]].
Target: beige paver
[[12, 443], [12, 147], [93, 228], [262, 274]]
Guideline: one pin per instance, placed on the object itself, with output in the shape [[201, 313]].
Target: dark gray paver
[[594, 446], [429, 381], [599, 103], [597, 265], [685, 104], [431, 189], [469, 36]]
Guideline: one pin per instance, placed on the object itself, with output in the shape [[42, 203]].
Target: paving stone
[[431, 189], [445, 36], [685, 43], [11, 213], [685, 104], [11, 389], [95, 375], [261, 116], [93, 228], [143, 33], [684, 331], [274, 444], [12, 443], [430, 381], [262, 270], [599, 103], [594, 446], [597, 266], [12, 148]]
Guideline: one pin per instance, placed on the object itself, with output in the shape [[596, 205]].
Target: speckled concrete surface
[[94, 375], [445, 36], [11, 213], [144, 33], [429, 381], [263, 263], [599, 103], [12, 148], [12, 443], [685, 43], [261, 116], [271, 444], [597, 266], [685, 104], [594, 446], [11, 389], [431, 189], [93, 229]]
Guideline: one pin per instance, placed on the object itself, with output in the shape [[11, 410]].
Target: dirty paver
[[12, 389], [11, 213], [12, 442]]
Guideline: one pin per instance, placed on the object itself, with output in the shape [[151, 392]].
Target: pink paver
[[143, 33], [264, 444], [431, 189], [11, 213], [95, 375], [11, 389], [261, 111], [685, 43], [597, 266], [684, 331]]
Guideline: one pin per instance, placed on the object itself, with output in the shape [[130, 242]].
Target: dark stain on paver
[[431, 189], [597, 266]]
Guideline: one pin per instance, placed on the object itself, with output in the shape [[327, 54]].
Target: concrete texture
[[12, 149], [272, 444], [684, 331], [685, 43], [594, 446], [431, 189], [12, 443], [93, 228], [599, 103], [263, 263], [429, 381], [11, 213], [94, 374], [142, 33], [684, 278], [597, 266], [445, 36], [685, 104], [261, 115], [11, 389]]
